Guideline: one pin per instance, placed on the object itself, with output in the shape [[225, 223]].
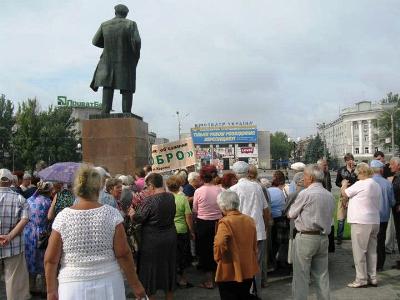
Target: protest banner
[[172, 156]]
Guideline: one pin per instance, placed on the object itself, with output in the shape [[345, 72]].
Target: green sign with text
[[63, 101]]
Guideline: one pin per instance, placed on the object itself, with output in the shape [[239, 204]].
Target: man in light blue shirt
[[385, 206]]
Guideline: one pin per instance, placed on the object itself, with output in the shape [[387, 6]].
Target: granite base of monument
[[117, 141]]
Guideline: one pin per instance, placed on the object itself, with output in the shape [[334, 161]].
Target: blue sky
[[285, 65]]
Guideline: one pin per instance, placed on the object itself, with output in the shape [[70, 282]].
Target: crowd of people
[[84, 237]]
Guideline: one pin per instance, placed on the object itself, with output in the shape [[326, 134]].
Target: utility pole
[[392, 121], [391, 109], [180, 119], [179, 124]]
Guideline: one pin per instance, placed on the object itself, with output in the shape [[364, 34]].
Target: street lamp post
[[14, 130], [180, 119], [392, 109]]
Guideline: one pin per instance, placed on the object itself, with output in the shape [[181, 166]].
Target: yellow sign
[[172, 156]]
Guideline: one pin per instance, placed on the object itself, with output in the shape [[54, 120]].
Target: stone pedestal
[[119, 142]]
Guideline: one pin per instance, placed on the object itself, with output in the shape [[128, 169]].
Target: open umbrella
[[60, 172]]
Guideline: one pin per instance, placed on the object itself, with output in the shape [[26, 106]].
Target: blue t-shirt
[[277, 201], [188, 190]]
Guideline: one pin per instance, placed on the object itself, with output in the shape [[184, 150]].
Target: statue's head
[[121, 10]]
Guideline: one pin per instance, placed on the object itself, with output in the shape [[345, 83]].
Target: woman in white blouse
[[363, 215], [90, 240]]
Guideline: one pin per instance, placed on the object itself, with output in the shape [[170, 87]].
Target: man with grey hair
[[14, 215], [312, 212], [395, 168], [254, 204], [387, 202]]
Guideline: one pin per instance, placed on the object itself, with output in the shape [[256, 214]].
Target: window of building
[[356, 138], [365, 138], [366, 150], [357, 151], [355, 125], [376, 149]]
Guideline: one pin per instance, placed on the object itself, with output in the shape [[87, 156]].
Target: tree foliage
[[58, 136], [315, 150], [385, 122], [48, 136], [6, 123], [26, 139], [280, 146]]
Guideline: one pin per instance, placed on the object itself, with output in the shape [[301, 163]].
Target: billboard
[[231, 134], [172, 156]]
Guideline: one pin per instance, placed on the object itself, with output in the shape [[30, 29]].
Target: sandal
[[356, 285], [206, 285]]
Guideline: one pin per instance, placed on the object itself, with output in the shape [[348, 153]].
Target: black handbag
[[43, 240]]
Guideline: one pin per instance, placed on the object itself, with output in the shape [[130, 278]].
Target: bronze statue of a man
[[117, 66]]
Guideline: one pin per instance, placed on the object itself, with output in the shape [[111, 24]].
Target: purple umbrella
[[60, 172]]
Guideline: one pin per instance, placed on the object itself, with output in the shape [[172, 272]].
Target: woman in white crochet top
[[90, 240]]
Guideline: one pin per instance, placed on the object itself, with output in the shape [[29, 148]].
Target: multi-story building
[[355, 131]]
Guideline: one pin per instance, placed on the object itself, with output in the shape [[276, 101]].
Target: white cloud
[[283, 64]]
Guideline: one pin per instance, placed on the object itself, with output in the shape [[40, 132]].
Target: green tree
[[280, 146], [26, 139], [6, 124], [315, 150], [58, 136], [392, 102], [48, 136]]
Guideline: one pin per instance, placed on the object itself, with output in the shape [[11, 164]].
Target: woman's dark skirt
[[205, 232], [157, 259]]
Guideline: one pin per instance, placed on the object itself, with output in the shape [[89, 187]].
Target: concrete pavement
[[340, 270]]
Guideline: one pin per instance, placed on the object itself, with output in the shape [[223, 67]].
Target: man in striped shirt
[[14, 215]]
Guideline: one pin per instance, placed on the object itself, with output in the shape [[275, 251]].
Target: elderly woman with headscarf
[[37, 229], [363, 215], [235, 249]]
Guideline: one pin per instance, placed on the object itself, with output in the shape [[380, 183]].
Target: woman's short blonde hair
[[87, 183], [364, 169], [174, 182]]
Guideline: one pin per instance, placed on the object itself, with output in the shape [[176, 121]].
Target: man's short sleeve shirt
[[13, 208]]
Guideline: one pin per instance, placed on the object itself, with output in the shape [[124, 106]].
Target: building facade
[[355, 131]]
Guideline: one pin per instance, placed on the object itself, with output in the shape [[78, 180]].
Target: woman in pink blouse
[[208, 213]]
